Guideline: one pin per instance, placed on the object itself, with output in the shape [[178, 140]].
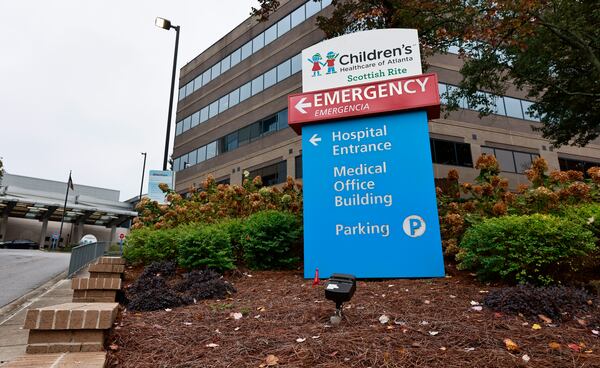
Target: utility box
[[340, 288]]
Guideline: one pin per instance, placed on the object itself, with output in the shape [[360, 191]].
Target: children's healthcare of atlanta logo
[[361, 57], [318, 65]]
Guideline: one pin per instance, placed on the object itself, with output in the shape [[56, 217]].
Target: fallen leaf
[[390, 327], [581, 322], [443, 348], [211, 345], [525, 358], [544, 318], [114, 347], [384, 319], [595, 332], [315, 337], [187, 323], [433, 333], [271, 360], [261, 309], [333, 354], [257, 316], [477, 308], [469, 349], [536, 326], [588, 351], [511, 346], [574, 347], [236, 315], [474, 302], [426, 302], [300, 339], [423, 323], [554, 345], [452, 296], [168, 310], [236, 329], [497, 315]]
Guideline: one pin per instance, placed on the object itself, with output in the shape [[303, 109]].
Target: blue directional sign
[[369, 198]]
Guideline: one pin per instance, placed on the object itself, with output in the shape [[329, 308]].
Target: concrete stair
[[72, 334], [59, 360]]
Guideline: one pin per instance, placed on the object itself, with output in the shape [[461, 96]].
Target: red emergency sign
[[409, 93]]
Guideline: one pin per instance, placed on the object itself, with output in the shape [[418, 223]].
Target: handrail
[[84, 254]]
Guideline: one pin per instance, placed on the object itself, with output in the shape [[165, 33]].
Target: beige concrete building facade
[[232, 111]]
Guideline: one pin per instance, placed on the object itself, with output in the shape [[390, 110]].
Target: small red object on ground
[[316, 281]]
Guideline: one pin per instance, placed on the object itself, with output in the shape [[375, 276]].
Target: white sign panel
[[157, 177], [361, 57]]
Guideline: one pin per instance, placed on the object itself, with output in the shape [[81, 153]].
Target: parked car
[[20, 244]]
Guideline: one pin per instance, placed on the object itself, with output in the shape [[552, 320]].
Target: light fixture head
[[162, 23]]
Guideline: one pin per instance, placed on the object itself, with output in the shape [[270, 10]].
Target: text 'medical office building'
[[232, 111]]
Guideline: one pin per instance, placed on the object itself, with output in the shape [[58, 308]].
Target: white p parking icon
[[414, 226]]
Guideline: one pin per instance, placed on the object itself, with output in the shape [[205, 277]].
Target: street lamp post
[[166, 24], [143, 171]]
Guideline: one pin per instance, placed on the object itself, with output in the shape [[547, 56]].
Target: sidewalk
[[13, 338]]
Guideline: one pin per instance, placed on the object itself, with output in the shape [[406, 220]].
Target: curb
[[6, 312]]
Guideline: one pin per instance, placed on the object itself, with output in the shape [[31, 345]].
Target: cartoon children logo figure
[[316, 62], [331, 56]]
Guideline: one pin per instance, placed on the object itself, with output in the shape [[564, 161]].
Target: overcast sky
[[84, 85]]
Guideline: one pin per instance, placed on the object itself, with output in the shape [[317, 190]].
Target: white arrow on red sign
[[302, 104]]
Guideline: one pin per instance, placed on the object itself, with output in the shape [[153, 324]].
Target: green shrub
[[146, 245], [587, 215], [269, 240], [235, 229], [205, 247], [149, 245], [536, 248]]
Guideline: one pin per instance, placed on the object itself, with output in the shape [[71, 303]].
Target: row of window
[[459, 154], [231, 141], [503, 105], [277, 30], [257, 85]]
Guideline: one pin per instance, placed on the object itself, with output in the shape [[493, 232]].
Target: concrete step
[[59, 360], [69, 327], [98, 290]]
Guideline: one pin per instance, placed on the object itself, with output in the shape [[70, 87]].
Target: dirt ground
[[285, 323]]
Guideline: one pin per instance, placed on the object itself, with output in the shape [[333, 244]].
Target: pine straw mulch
[[284, 316]]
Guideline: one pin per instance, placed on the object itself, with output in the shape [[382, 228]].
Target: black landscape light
[[339, 289]]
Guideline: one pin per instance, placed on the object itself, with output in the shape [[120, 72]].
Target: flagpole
[[62, 219]]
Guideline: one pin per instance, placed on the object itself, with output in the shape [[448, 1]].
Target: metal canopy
[[34, 203]]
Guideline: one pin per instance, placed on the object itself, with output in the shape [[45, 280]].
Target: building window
[[296, 17], [223, 181], [578, 165], [272, 174], [511, 161], [298, 164], [451, 153]]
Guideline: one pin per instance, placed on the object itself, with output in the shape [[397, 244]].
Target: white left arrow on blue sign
[[315, 139]]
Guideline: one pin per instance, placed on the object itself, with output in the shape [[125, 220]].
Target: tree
[[548, 48]]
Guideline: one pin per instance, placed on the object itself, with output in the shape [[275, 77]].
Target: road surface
[[24, 270]]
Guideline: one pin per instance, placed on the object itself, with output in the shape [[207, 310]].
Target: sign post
[[369, 196]]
